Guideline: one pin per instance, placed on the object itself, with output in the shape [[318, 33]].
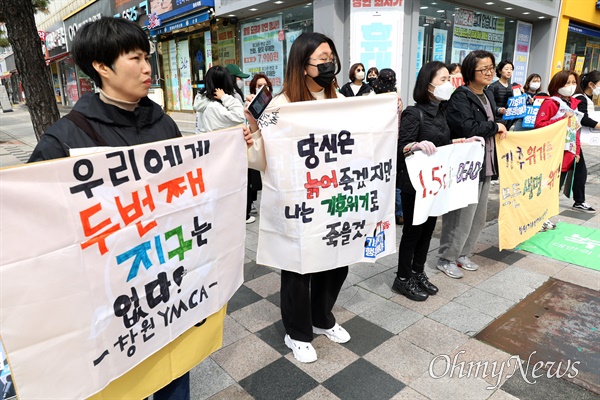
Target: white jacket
[[214, 115]]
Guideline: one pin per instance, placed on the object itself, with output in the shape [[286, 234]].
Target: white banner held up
[[329, 187], [445, 181], [108, 257], [591, 136]]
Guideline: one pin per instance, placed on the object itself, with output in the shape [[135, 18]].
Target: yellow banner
[[529, 164], [172, 361]]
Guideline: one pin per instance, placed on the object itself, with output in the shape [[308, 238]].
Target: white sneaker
[[303, 351], [336, 334], [465, 263], [251, 219]]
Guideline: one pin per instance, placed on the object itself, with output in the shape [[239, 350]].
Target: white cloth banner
[[445, 181], [108, 257], [329, 186], [591, 136]]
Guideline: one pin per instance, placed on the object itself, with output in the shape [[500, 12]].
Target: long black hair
[[217, 77]]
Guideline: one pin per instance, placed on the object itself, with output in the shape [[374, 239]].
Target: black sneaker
[[423, 282], [409, 288], [585, 207]]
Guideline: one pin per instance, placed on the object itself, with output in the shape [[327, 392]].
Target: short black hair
[[104, 41], [470, 63], [426, 75], [217, 77], [501, 65], [452, 67]]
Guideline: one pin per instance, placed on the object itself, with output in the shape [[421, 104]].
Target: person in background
[[386, 83], [254, 179], [431, 92], [114, 52], [216, 104], [533, 87], [356, 86], [454, 69], [562, 87], [471, 113], [306, 300], [502, 88], [238, 77], [372, 74]]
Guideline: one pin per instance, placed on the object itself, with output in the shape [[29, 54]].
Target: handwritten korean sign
[[132, 247], [529, 164], [328, 193]]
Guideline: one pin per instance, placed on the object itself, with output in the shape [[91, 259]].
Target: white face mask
[[567, 91], [443, 91], [596, 91], [534, 85], [240, 84], [360, 75]]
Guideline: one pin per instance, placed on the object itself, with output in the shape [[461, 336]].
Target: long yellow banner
[[529, 164]]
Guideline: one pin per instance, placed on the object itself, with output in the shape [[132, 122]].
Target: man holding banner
[[114, 53]]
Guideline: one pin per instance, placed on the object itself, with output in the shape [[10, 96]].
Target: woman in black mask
[[306, 300], [372, 74]]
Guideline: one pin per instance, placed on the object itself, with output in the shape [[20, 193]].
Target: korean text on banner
[[132, 247], [445, 181], [529, 165], [329, 187]]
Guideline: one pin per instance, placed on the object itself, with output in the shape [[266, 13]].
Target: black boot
[[409, 288], [423, 282]]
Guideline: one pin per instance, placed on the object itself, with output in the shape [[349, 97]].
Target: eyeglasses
[[324, 60], [485, 71]]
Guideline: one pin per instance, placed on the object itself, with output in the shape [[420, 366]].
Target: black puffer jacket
[[435, 129], [467, 118], [501, 94], [118, 127], [346, 90]]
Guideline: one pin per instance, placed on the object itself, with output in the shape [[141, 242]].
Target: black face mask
[[326, 74], [371, 80]]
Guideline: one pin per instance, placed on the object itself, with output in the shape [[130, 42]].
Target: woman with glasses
[[471, 113], [356, 86], [306, 300]]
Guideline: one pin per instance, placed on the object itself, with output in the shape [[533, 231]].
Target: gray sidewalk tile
[[580, 276], [362, 380], [540, 264], [449, 287], [332, 358], [422, 307], [208, 379], [434, 337], [409, 394], [380, 284], [401, 359], [450, 388], [502, 395], [461, 318], [257, 315], [242, 298], [233, 331], [367, 270], [319, 393], [278, 380], [245, 357], [266, 285], [358, 300], [232, 392], [513, 283], [274, 335], [391, 316], [484, 302], [365, 335]]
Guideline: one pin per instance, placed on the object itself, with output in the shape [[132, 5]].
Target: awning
[[181, 23], [6, 75]]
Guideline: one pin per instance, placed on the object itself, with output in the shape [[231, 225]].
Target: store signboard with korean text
[[476, 31], [262, 49]]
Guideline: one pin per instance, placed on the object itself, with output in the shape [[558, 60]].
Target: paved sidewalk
[[394, 340]]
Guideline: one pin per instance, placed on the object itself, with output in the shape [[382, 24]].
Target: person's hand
[[502, 110], [249, 98], [568, 114], [576, 158], [502, 131], [248, 136], [425, 146], [475, 139], [219, 93]]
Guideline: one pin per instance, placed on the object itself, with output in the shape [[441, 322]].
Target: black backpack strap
[[82, 122], [421, 118]]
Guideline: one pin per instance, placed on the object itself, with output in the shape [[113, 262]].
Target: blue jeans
[[178, 389], [398, 203]]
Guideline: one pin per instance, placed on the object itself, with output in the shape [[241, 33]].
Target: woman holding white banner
[[471, 113], [306, 300], [424, 128]]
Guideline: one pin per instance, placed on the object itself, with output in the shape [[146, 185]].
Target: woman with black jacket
[[356, 86], [471, 113]]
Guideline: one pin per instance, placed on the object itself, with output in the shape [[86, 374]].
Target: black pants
[[579, 180], [254, 185], [178, 389], [307, 301], [414, 244]]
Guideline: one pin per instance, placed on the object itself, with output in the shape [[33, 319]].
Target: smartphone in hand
[[260, 102]]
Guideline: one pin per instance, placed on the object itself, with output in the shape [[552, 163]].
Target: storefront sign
[[289, 40], [180, 24], [89, 14], [476, 31], [56, 40], [133, 10], [226, 40], [262, 51], [168, 9], [439, 44], [376, 34], [522, 48]]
